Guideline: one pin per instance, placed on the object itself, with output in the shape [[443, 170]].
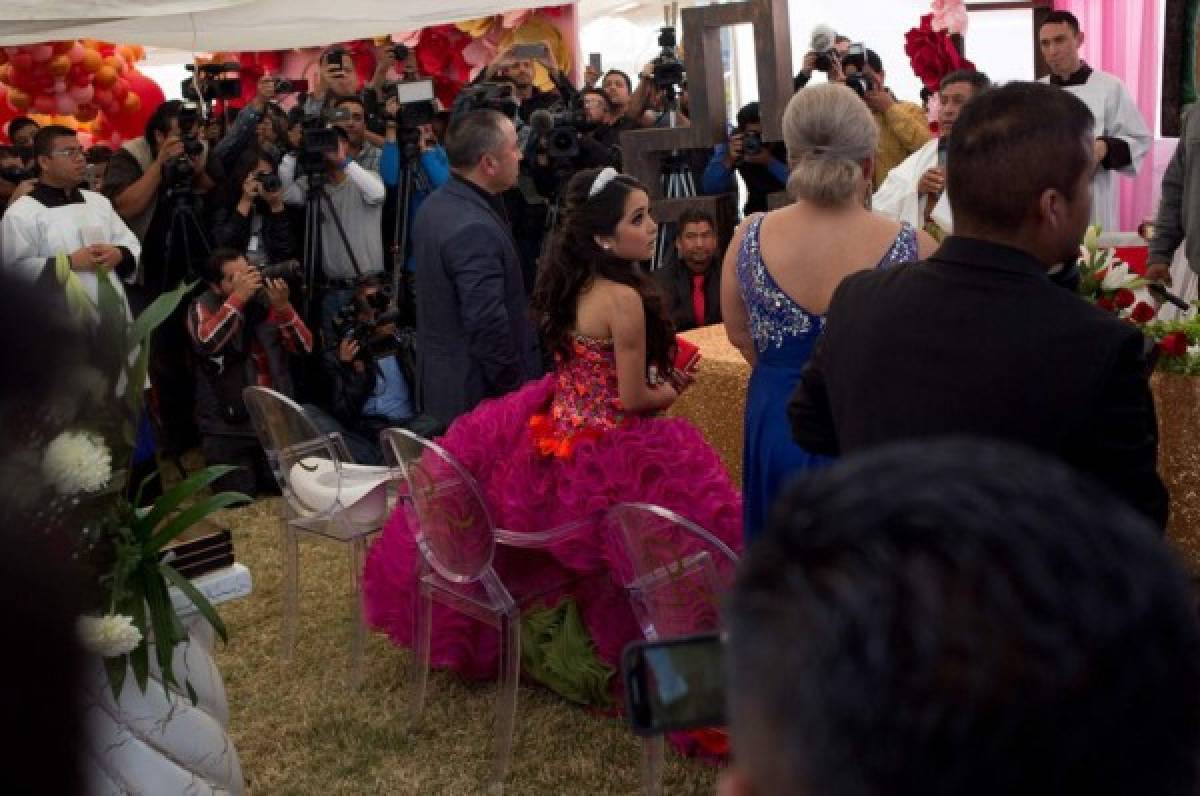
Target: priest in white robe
[[915, 191], [1122, 138], [64, 237]]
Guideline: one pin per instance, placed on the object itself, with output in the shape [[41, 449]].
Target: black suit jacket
[[978, 341], [675, 281], [474, 337]]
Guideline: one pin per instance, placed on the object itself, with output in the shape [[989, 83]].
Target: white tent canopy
[[215, 25]]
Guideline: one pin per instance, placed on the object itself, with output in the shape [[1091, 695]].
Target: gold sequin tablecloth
[[716, 403], [1177, 401]]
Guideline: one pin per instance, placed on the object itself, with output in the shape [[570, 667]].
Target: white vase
[[158, 743]]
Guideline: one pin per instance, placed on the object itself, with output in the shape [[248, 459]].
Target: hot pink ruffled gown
[[557, 450]]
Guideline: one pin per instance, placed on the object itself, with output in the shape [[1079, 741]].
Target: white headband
[[606, 175]]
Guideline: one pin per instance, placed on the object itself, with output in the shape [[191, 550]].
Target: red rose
[[1106, 304], [1142, 313], [1174, 344], [1124, 298], [932, 53]]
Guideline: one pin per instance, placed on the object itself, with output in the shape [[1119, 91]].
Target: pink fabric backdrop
[[1123, 37]]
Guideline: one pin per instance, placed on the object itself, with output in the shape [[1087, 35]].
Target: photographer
[[606, 121], [356, 195], [350, 116], [827, 60], [619, 88], [372, 371], [242, 330], [336, 79], [434, 168], [21, 130], [16, 180], [762, 166], [521, 70], [244, 130], [903, 126], [254, 219]]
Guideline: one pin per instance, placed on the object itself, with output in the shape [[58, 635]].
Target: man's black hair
[[978, 80], [1009, 146], [750, 113], [872, 60], [608, 103], [1059, 18], [962, 617], [210, 269], [160, 120], [628, 82], [696, 215], [17, 124], [44, 138]]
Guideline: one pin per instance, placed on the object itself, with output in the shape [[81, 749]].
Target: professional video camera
[[823, 42], [286, 85], [178, 171], [667, 68], [269, 181], [318, 138], [213, 82], [498, 97], [562, 137], [859, 80]]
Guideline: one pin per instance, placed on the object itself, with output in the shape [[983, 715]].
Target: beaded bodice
[[586, 400], [774, 317]]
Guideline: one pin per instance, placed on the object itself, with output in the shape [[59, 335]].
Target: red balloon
[[22, 61], [102, 97], [44, 104], [120, 89], [131, 123]]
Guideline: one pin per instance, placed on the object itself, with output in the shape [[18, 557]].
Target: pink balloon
[[60, 86], [42, 53], [75, 54], [66, 105], [81, 93]]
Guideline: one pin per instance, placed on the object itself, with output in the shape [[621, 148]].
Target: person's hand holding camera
[[264, 92], [339, 157], [391, 110], [428, 138], [932, 182], [171, 148], [761, 157], [247, 283], [736, 151], [809, 63], [277, 293], [348, 354], [274, 199]]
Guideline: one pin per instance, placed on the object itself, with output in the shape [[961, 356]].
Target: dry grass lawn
[[299, 730]]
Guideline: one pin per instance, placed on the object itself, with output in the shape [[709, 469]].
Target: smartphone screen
[[674, 685], [596, 63]]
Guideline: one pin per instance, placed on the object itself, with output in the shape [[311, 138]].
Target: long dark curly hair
[[572, 260]]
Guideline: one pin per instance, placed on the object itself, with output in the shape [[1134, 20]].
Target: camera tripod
[[412, 177], [316, 204], [677, 183]]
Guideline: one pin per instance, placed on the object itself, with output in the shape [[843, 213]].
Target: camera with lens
[[362, 317], [825, 60], [668, 70], [269, 181], [286, 85], [213, 82], [400, 53], [859, 80], [178, 172], [288, 269], [17, 174], [317, 139], [498, 97]]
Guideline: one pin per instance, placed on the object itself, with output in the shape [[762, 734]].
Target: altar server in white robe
[[915, 191], [1122, 138], [67, 238]]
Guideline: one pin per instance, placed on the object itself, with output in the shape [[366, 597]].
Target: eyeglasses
[[71, 152]]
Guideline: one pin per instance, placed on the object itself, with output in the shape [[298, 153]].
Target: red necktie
[[698, 298]]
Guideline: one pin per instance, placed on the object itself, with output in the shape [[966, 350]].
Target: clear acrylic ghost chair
[[675, 573], [326, 495], [457, 540]]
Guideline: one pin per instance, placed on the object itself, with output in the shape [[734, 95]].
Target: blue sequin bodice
[[775, 319]]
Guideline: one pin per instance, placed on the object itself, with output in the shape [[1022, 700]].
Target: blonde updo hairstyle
[[828, 132]]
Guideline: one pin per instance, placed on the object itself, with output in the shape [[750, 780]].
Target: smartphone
[[529, 52], [414, 91], [677, 684], [595, 62]]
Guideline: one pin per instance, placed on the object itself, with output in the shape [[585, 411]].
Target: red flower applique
[[1142, 313], [932, 53]]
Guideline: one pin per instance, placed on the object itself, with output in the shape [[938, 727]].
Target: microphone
[[823, 39], [1162, 294], [943, 146]]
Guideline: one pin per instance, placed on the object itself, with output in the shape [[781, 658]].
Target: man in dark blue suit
[[474, 339]]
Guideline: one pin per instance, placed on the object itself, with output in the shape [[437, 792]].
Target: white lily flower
[[1117, 276]]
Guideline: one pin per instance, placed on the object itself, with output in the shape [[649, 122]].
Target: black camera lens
[[269, 181], [752, 143], [400, 53], [284, 86], [288, 269]]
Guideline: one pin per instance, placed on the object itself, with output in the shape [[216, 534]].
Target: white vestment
[[1116, 117], [898, 198], [32, 233]]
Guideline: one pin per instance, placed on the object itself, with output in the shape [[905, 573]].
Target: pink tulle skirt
[[653, 460]]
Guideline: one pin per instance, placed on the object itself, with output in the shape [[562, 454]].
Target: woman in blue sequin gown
[[782, 268]]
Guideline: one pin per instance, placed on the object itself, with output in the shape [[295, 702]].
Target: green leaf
[[201, 602], [111, 307], [139, 659], [161, 615], [175, 497], [116, 668], [135, 387], [154, 315], [137, 499], [186, 519]]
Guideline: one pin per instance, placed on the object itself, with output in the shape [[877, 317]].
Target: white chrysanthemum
[[77, 461], [109, 636]]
